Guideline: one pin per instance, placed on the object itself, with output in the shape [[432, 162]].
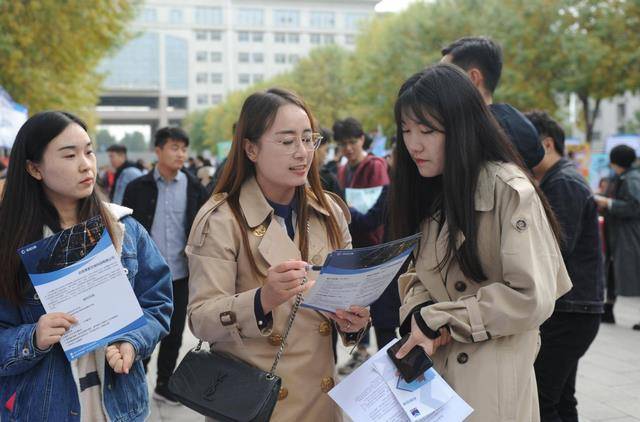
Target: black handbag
[[225, 388]]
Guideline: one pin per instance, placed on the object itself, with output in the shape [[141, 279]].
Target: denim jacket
[[39, 385], [572, 201]]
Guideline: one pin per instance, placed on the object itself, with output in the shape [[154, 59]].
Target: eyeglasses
[[310, 142]]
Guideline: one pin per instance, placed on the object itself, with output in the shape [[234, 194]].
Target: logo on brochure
[[415, 412]]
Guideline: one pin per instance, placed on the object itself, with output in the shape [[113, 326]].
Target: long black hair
[[24, 208], [472, 138]]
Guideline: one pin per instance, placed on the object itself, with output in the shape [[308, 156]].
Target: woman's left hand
[[121, 357], [417, 338], [352, 320]]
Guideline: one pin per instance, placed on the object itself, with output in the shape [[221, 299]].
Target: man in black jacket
[[567, 334], [165, 201], [481, 58]]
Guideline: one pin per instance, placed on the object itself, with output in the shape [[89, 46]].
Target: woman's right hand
[[283, 282], [51, 327]]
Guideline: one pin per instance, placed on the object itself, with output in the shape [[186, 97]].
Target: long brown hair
[[256, 117], [473, 138], [25, 209]]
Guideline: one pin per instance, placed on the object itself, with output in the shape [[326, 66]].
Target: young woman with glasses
[[249, 248]]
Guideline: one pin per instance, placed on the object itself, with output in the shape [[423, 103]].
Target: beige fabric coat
[[222, 289], [494, 324]]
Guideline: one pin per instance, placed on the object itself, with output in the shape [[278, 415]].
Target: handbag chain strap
[[292, 317]]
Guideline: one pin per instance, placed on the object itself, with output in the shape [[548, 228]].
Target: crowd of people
[[506, 291]]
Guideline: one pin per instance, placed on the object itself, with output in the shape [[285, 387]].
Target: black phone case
[[414, 364]]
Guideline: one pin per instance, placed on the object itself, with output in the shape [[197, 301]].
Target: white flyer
[[366, 396], [77, 271], [358, 276], [362, 199]]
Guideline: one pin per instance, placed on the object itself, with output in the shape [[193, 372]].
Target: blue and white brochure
[[358, 276], [78, 271]]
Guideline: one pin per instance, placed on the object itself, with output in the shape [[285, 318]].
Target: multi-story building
[[189, 54], [617, 116]]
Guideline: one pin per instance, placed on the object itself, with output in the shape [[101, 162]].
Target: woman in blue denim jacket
[[50, 187]]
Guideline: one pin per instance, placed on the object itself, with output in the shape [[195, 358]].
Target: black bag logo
[[213, 386]]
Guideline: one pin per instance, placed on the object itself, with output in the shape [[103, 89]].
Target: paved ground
[[608, 377]]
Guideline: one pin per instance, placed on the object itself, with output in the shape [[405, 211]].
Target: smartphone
[[414, 364]]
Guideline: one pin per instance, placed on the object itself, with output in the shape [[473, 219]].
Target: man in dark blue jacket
[[567, 334], [481, 59]]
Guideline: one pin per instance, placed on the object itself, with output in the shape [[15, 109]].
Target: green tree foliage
[[104, 139], [49, 50], [134, 141], [552, 49]]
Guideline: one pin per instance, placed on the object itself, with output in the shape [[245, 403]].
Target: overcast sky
[[392, 5]]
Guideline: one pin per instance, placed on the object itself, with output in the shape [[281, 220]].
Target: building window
[[315, 38], [279, 37], [280, 58], [258, 78], [596, 136], [250, 17], [622, 112], [215, 35], [293, 38], [243, 57], [201, 56], [216, 57], [258, 58], [286, 18], [323, 20], [352, 21], [244, 78], [294, 58], [175, 16], [208, 16], [216, 78], [201, 35], [149, 15], [329, 39], [202, 99], [216, 99], [350, 39], [257, 36], [201, 77], [243, 36]]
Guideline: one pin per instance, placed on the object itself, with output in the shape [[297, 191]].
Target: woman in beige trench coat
[[248, 249], [489, 268]]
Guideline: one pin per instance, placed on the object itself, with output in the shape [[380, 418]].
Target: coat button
[[126, 271], [463, 358], [36, 297], [283, 393], [324, 329], [461, 286], [275, 339], [25, 351], [316, 260], [521, 225], [326, 384]]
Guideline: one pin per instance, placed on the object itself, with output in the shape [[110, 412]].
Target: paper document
[[369, 396], [77, 271], [362, 199], [358, 276]]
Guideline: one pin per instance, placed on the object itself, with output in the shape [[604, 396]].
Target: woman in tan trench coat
[[489, 268], [248, 249]]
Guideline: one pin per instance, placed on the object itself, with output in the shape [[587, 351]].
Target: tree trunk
[[589, 115]]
